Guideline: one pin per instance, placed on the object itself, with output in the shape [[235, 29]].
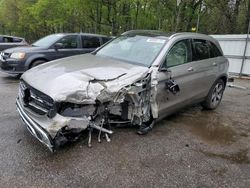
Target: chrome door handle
[[190, 69], [214, 64]]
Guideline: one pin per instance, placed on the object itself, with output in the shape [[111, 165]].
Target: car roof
[[85, 34], [192, 35], [91, 34], [170, 35], [151, 33]]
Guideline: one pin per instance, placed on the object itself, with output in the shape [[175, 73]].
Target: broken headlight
[[76, 110]]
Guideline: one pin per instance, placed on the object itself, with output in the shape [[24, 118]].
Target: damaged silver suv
[[136, 79]]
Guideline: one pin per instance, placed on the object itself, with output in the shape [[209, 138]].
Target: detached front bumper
[[35, 129], [55, 132]]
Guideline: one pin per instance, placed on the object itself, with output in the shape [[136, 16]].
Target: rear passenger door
[[217, 58], [204, 66], [90, 43]]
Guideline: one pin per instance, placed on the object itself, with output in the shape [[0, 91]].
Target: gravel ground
[[193, 148]]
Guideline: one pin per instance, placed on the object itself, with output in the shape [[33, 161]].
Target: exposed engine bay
[[131, 105], [96, 107]]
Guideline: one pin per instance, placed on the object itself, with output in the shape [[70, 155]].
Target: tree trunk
[[235, 16], [247, 17], [194, 6], [137, 13]]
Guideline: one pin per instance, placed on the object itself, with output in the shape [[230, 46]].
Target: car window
[[7, 39], [201, 49], [90, 42], [133, 49], [105, 39], [179, 54], [10, 39], [17, 40], [214, 51], [48, 40], [69, 42]]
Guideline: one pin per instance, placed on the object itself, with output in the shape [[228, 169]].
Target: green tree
[[33, 19]]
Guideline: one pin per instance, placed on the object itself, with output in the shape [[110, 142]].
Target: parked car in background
[[10, 42], [55, 46], [136, 79]]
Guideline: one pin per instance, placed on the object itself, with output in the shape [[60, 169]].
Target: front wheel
[[214, 96], [36, 63]]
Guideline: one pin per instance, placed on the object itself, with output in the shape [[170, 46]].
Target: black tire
[[36, 63], [215, 95], [16, 76]]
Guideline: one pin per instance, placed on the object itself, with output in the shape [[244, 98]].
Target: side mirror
[[172, 86], [164, 69], [58, 46]]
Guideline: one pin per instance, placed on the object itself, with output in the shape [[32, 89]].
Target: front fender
[[31, 58]]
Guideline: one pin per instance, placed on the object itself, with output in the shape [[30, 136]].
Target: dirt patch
[[240, 157], [213, 131], [209, 126]]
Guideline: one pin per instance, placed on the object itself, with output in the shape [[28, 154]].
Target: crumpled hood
[[82, 78]]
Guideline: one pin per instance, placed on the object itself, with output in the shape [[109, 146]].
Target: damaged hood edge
[[81, 79]]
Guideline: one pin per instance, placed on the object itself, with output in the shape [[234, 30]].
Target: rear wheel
[[36, 63], [214, 96]]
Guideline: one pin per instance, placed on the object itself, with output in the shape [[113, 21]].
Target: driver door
[[176, 66], [70, 47]]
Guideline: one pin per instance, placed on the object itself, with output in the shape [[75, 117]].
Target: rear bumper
[[35, 129]]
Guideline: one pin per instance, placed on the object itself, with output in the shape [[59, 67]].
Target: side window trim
[[78, 41], [193, 49]]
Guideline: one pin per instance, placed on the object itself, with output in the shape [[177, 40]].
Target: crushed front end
[[56, 122]]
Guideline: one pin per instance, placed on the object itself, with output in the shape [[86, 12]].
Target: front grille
[[37, 101]]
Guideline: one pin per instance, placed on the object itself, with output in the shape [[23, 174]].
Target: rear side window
[[214, 51], [90, 42], [200, 49]]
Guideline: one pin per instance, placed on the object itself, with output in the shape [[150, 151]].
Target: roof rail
[[186, 33], [148, 32]]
